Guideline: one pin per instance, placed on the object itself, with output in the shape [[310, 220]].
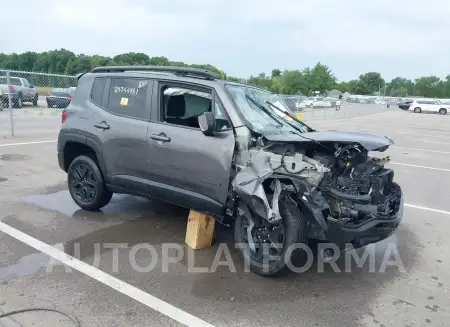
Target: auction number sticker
[[125, 89]]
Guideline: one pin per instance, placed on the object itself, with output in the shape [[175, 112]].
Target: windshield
[[260, 109]]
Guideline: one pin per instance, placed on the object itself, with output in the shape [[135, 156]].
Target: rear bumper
[[370, 231], [59, 102]]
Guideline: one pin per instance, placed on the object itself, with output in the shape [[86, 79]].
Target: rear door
[[121, 107], [188, 167]]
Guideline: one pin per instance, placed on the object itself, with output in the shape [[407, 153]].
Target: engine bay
[[358, 186], [347, 184]]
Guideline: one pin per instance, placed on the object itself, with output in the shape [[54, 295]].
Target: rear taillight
[[49, 93], [69, 97], [11, 89], [64, 116]]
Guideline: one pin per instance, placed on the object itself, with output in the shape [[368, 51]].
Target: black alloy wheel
[[83, 183], [86, 184]]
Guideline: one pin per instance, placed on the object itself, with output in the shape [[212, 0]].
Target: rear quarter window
[[98, 88]]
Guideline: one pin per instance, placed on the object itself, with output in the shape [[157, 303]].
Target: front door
[[191, 168]]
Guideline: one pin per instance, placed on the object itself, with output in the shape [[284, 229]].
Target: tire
[[86, 184], [295, 232], [443, 111], [417, 110], [35, 100]]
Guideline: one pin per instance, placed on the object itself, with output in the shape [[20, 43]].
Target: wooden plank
[[200, 230]]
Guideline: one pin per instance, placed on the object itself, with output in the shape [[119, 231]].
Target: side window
[[128, 97], [97, 90], [182, 105], [26, 83], [15, 81]]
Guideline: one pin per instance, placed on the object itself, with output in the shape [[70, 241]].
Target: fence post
[[11, 120]]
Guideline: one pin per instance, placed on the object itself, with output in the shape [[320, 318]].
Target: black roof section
[[180, 71]]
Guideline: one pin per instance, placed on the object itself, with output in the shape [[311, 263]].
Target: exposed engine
[[358, 186], [344, 180]]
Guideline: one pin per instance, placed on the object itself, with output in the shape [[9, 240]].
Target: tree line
[[306, 81]]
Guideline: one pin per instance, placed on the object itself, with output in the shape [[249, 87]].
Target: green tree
[[276, 73], [399, 86], [261, 80], [430, 86], [369, 83], [320, 78], [295, 81]]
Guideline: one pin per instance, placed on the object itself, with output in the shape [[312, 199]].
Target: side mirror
[[206, 123]]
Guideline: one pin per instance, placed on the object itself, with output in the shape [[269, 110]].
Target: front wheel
[[417, 110], [443, 111], [271, 249], [86, 184], [35, 100]]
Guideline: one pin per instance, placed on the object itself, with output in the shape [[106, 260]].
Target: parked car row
[[367, 100], [22, 91], [314, 102]]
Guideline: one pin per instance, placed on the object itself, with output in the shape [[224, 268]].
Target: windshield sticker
[[142, 84], [124, 101]]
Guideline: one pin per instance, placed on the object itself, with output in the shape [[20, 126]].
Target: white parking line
[[418, 166], [108, 280], [427, 209], [415, 149], [26, 143]]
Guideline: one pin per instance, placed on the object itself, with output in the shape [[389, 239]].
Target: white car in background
[[317, 102], [300, 105], [429, 105]]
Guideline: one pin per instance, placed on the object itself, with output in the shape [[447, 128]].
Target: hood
[[371, 142]]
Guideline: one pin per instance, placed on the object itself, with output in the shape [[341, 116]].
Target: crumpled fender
[[248, 185]]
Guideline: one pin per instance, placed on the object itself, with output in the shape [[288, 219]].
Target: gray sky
[[396, 38]]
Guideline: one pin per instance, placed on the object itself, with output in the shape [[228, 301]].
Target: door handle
[[102, 125], [162, 138]]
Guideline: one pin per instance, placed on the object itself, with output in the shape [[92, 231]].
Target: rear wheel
[[271, 249], [86, 184], [35, 100], [417, 110], [443, 111]]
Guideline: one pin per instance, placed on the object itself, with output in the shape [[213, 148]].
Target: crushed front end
[[346, 195], [365, 205]]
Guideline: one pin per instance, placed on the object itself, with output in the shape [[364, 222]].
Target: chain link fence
[[30, 93], [38, 94]]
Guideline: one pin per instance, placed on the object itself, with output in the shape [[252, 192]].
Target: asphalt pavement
[[112, 289]]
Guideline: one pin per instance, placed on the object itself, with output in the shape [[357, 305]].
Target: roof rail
[[182, 71]]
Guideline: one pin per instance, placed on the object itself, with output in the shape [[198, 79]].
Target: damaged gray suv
[[231, 150]]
